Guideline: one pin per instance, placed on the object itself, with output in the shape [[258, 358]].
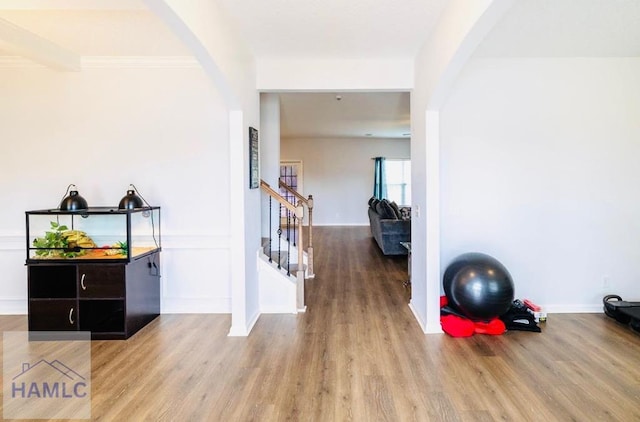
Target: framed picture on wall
[[254, 159]]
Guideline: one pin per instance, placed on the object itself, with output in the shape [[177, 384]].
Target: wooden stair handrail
[[307, 201], [293, 208]]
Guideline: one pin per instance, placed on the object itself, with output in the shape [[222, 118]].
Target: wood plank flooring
[[359, 355]]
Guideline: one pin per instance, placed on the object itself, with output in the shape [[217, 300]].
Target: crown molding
[[72, 5], [37, 48], [112, 62], [18, 61], [126, 62]]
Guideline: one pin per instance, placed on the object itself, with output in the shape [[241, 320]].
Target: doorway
[[335, 135]]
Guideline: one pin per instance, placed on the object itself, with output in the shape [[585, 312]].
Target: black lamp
[[131, 200], [73, 201]]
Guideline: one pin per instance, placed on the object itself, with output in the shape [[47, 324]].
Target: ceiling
[[566, 28], [331, 29], [335, 28], [345, 115]]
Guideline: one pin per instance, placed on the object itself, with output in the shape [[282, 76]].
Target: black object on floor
[[622, 311], [519, 318]]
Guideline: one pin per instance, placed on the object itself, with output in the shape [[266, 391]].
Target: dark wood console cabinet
[[112, 300]]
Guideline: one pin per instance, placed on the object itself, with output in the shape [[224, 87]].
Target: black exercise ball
[[478, 286]]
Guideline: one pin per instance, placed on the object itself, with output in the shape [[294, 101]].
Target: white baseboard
[[421, 323], [276, 310], [433, 328], [573, 309], [239, 331], [218, 305], [13, 306]]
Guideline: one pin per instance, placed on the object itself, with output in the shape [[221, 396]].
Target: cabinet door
[[53, 315], [101, 281]]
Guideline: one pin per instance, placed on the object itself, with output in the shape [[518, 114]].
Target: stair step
[[282, 257], [274, 243], [293, 268]]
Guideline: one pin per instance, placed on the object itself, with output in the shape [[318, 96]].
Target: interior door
[[291, 174]]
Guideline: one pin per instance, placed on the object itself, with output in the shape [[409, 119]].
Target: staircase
[[284, 263]]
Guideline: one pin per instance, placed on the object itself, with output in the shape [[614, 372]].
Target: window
[[291, 174], [398, 178]]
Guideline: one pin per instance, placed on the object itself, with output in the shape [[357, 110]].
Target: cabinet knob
[[71, 316], [82, 282]]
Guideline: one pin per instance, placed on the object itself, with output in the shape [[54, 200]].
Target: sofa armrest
[[388, 233], [395, 226]]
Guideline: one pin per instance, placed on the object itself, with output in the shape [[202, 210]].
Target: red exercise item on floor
[[494, 327], [457, 326], [529, 304]]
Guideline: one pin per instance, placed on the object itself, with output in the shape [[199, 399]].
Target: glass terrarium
[[97, 233]]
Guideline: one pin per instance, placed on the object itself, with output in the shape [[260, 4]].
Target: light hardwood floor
[[359, 355]]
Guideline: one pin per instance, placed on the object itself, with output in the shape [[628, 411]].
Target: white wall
[[461, 27], [269, 137], [339, 174], [165, 130], [539, 169], [210, 35], [334, 74]]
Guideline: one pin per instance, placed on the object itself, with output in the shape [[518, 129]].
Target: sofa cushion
[[396, 210], [385, 210], [405, 213], [374, 204]]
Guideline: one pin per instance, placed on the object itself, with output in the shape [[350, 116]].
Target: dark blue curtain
[[379, 184]]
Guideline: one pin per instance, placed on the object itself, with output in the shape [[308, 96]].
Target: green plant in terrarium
[[52, 242], [62, 242], [123, 247]]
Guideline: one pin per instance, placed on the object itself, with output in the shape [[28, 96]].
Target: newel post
[[300, 273], [310, 273]]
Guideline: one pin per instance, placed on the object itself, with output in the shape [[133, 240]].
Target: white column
[[269, 154]]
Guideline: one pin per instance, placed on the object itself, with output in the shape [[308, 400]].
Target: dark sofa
[[389, 227]]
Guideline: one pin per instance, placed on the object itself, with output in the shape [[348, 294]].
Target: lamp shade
[[130, 201], [73, 202]]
